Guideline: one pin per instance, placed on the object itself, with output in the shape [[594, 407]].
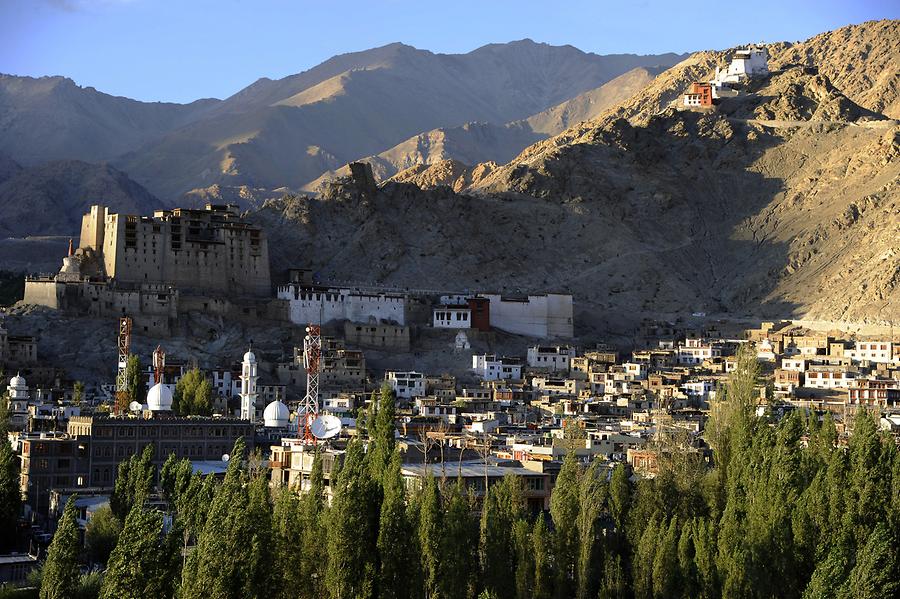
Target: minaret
[[248, 386]]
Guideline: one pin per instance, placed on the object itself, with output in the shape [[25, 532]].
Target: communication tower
[[124, 344], [312, 357]]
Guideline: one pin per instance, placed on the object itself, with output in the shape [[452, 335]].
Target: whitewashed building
[[881, 352], [556, 358], [546, 316], [831, 378], [406, 385], [320, 305], [456, 316], [491, 368]]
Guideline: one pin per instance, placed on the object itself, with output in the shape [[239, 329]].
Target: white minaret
[[248, 386]]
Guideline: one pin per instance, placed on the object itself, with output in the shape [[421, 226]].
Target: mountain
[[50, 199], [475, 143], [286, 133], [782, 202], [52, 118]]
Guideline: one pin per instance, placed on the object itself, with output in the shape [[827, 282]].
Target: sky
[[182, 50]]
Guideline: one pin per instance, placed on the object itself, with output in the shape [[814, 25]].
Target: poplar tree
[[143, 564], [430, 532], [382, 442], [395, 573], [313, 556], [542, 541], [352, 530], [876, 574], [102, 534], [592, 497], [564, 509], [287, 533], [60, 575], [459, 543], [524, 557], [134, 480], [133, 379], [219, 564]]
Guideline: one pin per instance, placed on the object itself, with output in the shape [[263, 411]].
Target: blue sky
[[181, 50]]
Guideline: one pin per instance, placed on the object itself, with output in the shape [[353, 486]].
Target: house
[[555, 358], [406, 385], [452, 316], [491, 368]]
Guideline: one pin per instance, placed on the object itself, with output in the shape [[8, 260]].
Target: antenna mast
[[312, 354], [124, 344]]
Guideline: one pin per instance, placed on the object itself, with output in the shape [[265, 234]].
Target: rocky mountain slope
[[287, 133], [780, 203], [52, 118], [50, 199], [475, 143]]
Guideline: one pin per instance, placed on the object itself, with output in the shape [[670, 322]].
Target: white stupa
[[276, 415], [159, 398]]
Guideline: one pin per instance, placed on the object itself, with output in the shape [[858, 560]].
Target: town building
[[89, 453], [377, 335], [491, 368], [317, 304], [406, 385], [547, 316], [555, 358]]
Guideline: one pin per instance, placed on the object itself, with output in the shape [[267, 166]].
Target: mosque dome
[[250, 357], [159, 398], [276, 415], [17, 382]]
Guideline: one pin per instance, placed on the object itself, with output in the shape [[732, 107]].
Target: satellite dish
[[135, 406], [326, 426], [225, 457]]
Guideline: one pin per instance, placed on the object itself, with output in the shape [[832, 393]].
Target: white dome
[[17, 381], [159, 398], [250, 358], [276, 415]]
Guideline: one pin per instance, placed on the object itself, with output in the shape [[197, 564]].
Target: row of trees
[[786, 511]]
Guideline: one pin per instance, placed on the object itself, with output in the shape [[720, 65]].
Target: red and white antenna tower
[[159, 364], [312, 357]]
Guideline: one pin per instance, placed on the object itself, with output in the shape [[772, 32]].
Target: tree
[[501, 508], [591, 499], [430, 532], [458, 543], [313, 554], [395, 561], [564, 509], [876, 574], [193, 395], [218, 566], [133, 379], [101, 535], [665, 562], [381, 446], [143, 564], [542, 585], [524, 559], [60, 575], [10, 495], [134, 480], [78, 393], [352, 529], [287, 531]]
